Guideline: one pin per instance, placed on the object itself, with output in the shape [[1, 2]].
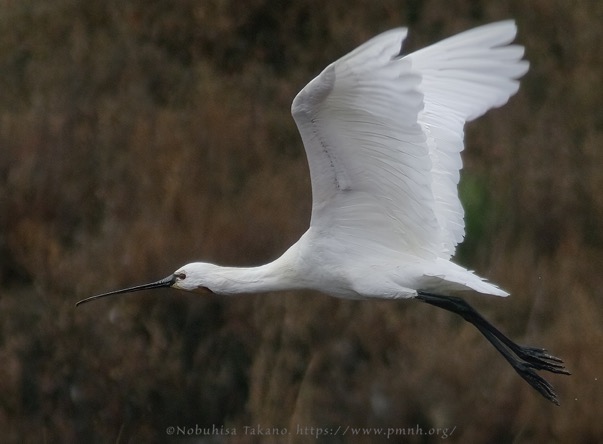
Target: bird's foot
[[525, 370], [540, 359]]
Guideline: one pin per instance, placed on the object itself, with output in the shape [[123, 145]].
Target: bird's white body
[[321, 261], [383, 134]]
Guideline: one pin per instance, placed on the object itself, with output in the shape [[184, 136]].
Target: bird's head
[[195, 277], [198, 277]]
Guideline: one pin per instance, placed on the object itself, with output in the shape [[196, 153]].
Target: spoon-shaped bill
[[166, 282]]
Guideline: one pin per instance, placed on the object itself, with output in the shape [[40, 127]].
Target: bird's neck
[[279, 275]]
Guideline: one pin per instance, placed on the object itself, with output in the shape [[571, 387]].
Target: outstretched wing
[[383, 134]]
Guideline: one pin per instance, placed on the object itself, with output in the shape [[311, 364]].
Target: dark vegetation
[[136, 136]]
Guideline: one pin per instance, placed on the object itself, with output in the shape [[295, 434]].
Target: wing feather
[[383, 134], [462, 77]]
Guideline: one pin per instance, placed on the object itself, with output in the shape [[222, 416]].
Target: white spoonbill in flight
[[383, 132]]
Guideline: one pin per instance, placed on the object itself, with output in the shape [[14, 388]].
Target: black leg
[[523, 359]]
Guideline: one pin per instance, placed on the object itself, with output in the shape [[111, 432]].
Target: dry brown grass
[[137, 136]]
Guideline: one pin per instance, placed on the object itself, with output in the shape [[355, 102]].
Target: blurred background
[[137, 135]]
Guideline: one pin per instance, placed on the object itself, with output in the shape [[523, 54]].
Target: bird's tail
[[451, 277]]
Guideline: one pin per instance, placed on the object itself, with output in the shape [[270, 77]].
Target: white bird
[[383, 132]]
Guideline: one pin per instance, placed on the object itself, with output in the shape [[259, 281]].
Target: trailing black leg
[[523, 359]]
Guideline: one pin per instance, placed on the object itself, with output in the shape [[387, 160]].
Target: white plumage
[[383, 133]]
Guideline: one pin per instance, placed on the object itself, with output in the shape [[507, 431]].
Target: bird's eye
[[181, 276]]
